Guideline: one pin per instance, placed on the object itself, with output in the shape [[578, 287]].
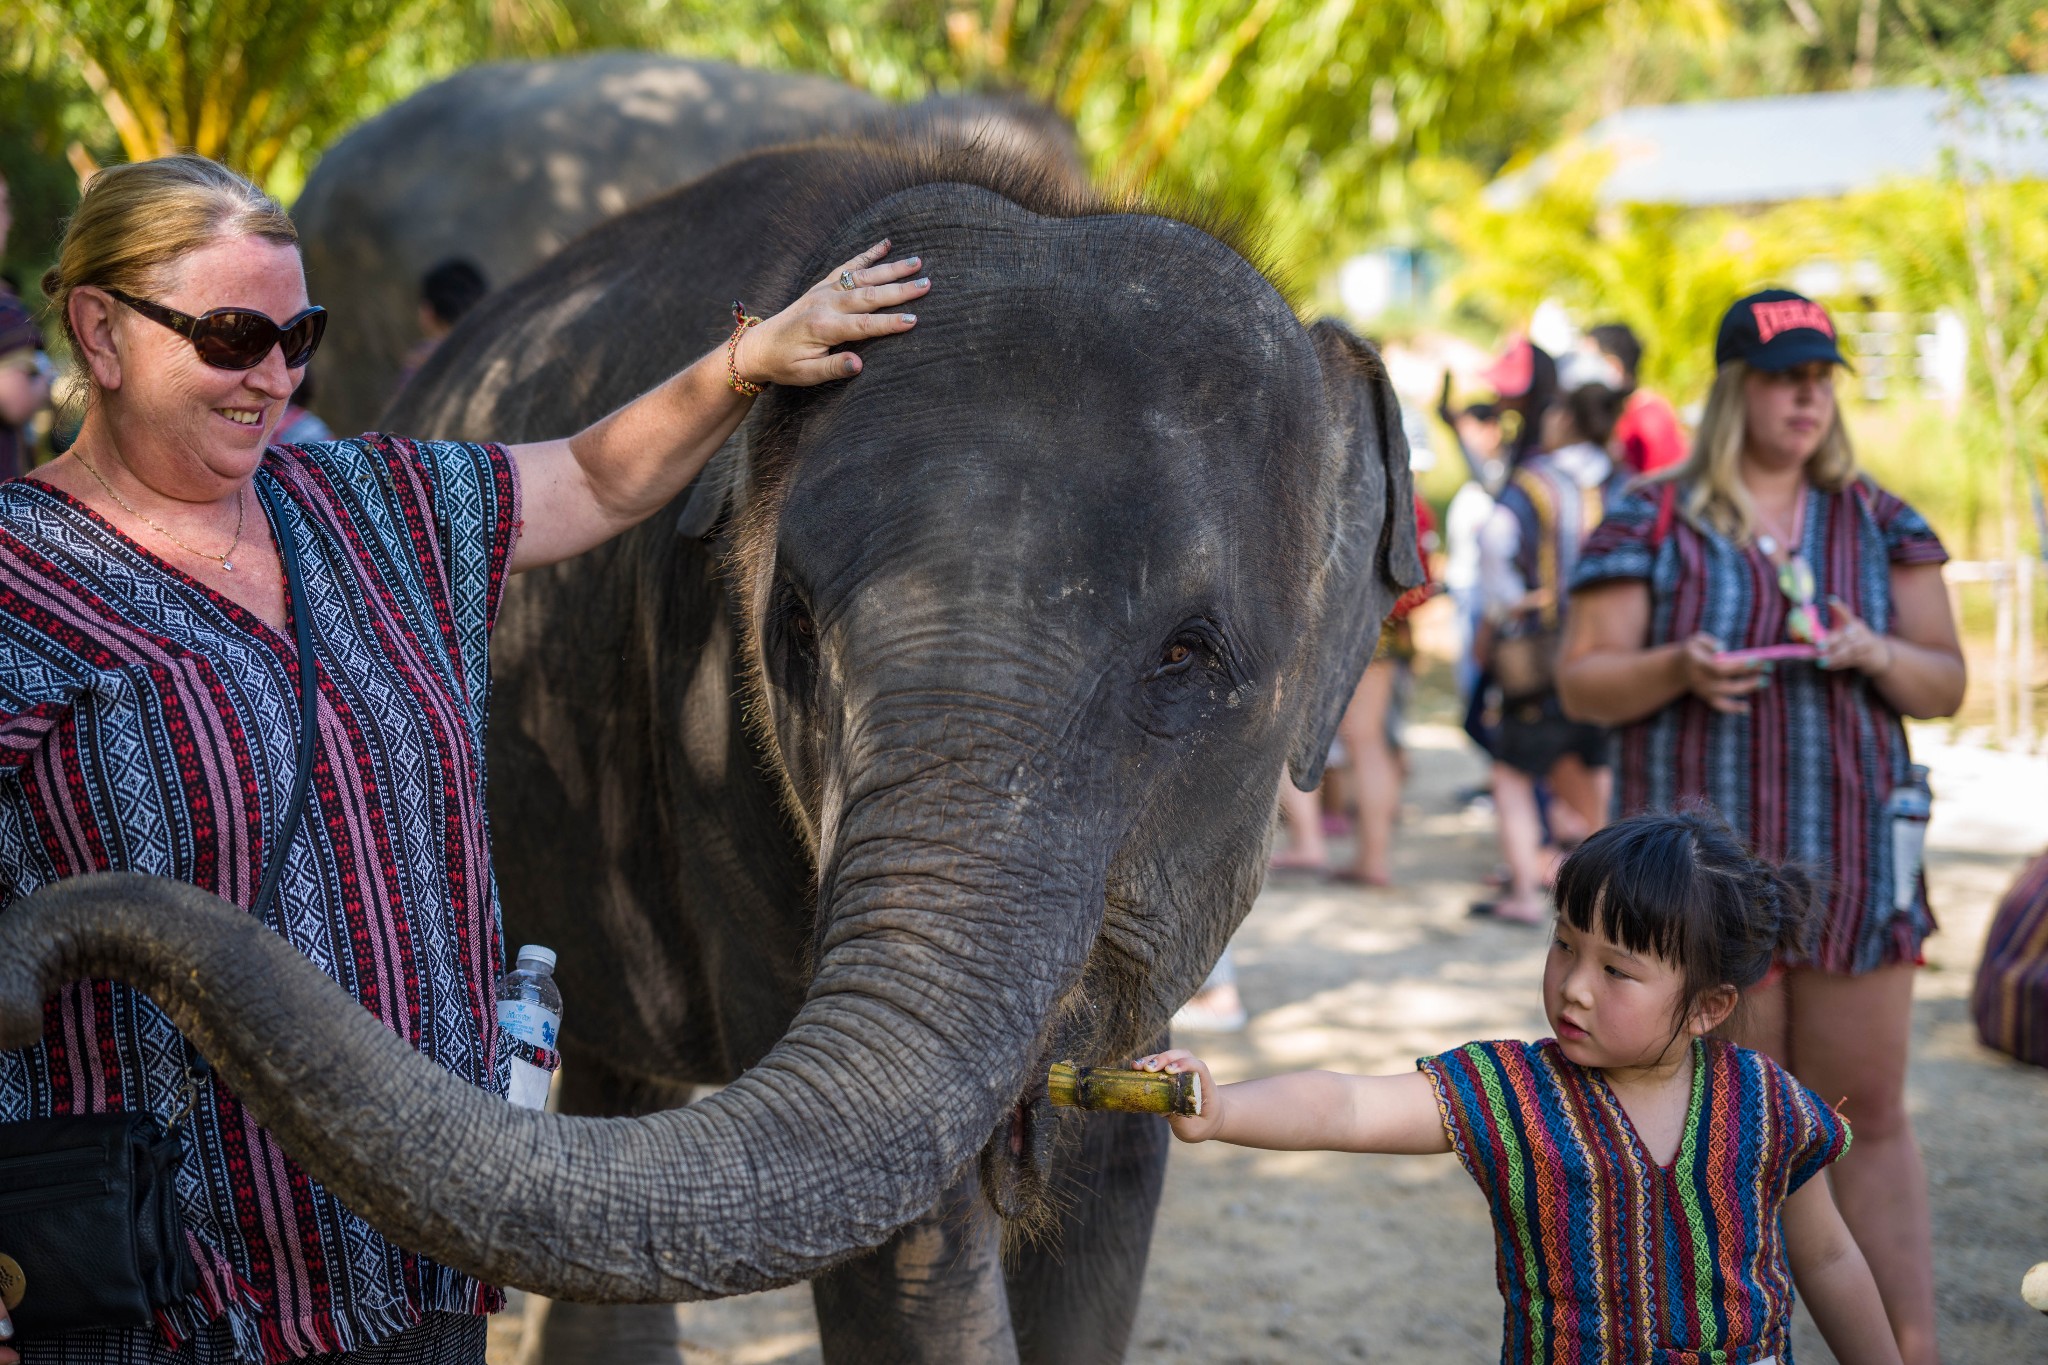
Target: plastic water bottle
[[1908, 807], [530, 1009]]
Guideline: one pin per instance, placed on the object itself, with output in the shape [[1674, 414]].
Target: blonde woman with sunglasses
[[184, 603], [1756, 624]]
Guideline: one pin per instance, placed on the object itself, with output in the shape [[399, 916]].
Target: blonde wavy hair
[[1710, 480], [135, 222]]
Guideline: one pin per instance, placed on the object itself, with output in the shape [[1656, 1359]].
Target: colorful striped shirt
[[2010, 1001], [1607, 1258], [150, 724], [1803, 775]]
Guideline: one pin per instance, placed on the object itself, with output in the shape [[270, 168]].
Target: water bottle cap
[[534, 952]]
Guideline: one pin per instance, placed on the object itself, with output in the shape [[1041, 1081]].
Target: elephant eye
[[1190, 647], [792, 661]]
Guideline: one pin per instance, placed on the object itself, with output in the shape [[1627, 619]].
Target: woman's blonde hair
[[1710, 481], [135, 221]]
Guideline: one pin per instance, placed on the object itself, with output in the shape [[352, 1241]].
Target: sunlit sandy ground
[[1291, 1257]]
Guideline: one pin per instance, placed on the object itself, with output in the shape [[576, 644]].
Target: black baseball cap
[[1775, 330]]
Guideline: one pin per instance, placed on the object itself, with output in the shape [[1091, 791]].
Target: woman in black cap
[[1755, 623]]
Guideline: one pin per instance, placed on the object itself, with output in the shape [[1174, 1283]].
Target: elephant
[[504, 163], [932, 736]]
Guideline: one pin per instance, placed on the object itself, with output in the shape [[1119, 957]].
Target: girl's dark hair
[[1682, 887], [1594, 409]]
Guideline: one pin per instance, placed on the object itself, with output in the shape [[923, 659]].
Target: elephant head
[[1033, 613]]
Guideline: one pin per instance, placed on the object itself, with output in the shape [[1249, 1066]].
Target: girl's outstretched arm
[[1829, 1269], [1310, 1111]]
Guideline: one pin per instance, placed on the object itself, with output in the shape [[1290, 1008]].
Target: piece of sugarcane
[[1124, 1090]]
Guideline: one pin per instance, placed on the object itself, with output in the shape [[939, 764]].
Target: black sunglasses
[[238, 338]]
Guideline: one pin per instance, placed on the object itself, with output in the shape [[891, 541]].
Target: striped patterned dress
[[149, 724], [2011, 997], [1802, 776], [1605, 1257]]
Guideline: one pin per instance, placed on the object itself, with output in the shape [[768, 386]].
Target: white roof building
[[1764, 151]]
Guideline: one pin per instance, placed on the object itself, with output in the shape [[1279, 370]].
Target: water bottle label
[[529, 1022], [528, 1085]]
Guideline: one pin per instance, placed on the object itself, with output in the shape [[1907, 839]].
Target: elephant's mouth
[[1016, 1164]]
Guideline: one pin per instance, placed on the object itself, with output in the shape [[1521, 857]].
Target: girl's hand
[[795, 346], [1852, 644], [1721, 683], [1196, 1128]]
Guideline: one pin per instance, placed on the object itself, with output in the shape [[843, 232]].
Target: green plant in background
[[1338, 123], [37, 126], [1974, 243], [258, 84], [1978, 251], [1667, 272], [1320, 118]]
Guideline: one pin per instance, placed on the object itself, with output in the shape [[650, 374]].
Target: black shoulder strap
[[309, 702]]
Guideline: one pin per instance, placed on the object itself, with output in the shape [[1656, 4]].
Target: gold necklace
[[226, 561]]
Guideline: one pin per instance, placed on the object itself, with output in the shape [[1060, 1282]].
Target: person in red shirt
[[1649, 436]]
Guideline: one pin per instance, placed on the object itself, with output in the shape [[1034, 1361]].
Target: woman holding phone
[[1755, 624]]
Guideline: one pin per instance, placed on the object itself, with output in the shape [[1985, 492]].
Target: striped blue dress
[[1803, 776]]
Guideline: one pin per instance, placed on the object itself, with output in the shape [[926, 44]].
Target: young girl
[[1649, 1183]]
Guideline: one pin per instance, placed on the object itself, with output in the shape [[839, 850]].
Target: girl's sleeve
[[1477, 1107], [1815, 1135], [1622, 546]]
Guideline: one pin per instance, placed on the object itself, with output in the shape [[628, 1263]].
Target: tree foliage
[[1319, 117], [1337, 123], [1667, 272], [260, 84]]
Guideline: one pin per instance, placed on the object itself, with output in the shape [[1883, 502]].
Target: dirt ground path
[[1292, 1257]]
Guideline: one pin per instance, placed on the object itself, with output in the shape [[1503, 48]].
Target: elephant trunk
[[922, 1020]]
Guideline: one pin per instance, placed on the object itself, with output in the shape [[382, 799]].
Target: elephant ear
[[714, 495], [1370, 555]]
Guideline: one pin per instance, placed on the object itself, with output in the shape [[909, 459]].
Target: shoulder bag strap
[[309, 702], [1667, 504]]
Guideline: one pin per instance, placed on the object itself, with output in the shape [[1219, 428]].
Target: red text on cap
[[1783, 315]]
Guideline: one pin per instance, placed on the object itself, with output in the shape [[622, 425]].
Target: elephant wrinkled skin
[[931, 737]]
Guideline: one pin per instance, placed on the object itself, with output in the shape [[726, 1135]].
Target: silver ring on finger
[[846, 281]]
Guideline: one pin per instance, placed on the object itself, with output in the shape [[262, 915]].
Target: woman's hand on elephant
[[795, 346], [1720, 682], [1851, 643], [1188, 1127]]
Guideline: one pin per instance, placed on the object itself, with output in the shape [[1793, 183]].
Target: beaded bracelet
[[741, 321]]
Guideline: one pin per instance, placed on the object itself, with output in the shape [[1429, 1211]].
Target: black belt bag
[[89, 1222], [91, 1237]]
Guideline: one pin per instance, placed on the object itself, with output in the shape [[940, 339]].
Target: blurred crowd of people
[[1554, 441]]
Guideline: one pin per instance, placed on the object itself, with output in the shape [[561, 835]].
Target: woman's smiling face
[[1609, 1007], [207, 427]]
